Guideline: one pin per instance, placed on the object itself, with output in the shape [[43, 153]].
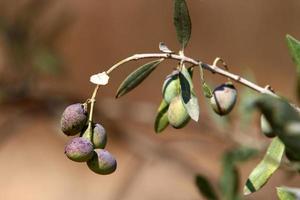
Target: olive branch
[[281, 116]]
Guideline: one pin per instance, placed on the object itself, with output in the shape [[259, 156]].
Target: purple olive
[[79, 149], [102, 162], [74, 119]]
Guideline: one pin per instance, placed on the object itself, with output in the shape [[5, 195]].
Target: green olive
[[171, 86], [97, 135], [177, 115]]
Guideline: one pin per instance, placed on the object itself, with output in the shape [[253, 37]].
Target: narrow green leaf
[[205, 188], [240, 154], [229, 182], [185, 87], [206, 90], [137, 77], [294, 48], [188, 97], [161, 120], [182, 22], [266, 168], [285, 193]]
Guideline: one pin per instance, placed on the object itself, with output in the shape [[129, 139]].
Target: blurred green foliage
[[29, 31], [229, 181]]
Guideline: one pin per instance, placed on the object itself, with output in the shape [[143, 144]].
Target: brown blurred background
[[48, 50]]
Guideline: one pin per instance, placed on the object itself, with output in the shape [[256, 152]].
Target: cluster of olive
[[177, 114], [89, 146], [222, 99]]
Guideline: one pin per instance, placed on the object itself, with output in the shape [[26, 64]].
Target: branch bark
[[212, 68]]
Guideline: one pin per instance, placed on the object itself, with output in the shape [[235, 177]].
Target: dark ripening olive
[[102, 162], [224, 98], [79, 149], [74, 119], [171, 86], [177, 115], [266, 127]]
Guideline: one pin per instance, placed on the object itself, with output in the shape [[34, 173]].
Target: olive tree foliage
[[280, 120]]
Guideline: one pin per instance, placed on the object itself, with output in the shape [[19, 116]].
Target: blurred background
[[49, 49]]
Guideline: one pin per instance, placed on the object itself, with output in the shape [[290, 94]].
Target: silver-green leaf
[[137, 77], [266, 168], [286, 193], [229, 181], [188, 97], [294, 48], [206, 90], [182, 22]]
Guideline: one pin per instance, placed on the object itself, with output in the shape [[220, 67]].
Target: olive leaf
[[182, 22], [206, 90], [188, 97], [161, 120], [240, 154], [294, 48], [286, 193], [229, 183], [205, 188], [265, 169], [137, 77]]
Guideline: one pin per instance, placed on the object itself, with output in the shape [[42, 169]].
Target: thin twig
[[211, 68], [92, 101]]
